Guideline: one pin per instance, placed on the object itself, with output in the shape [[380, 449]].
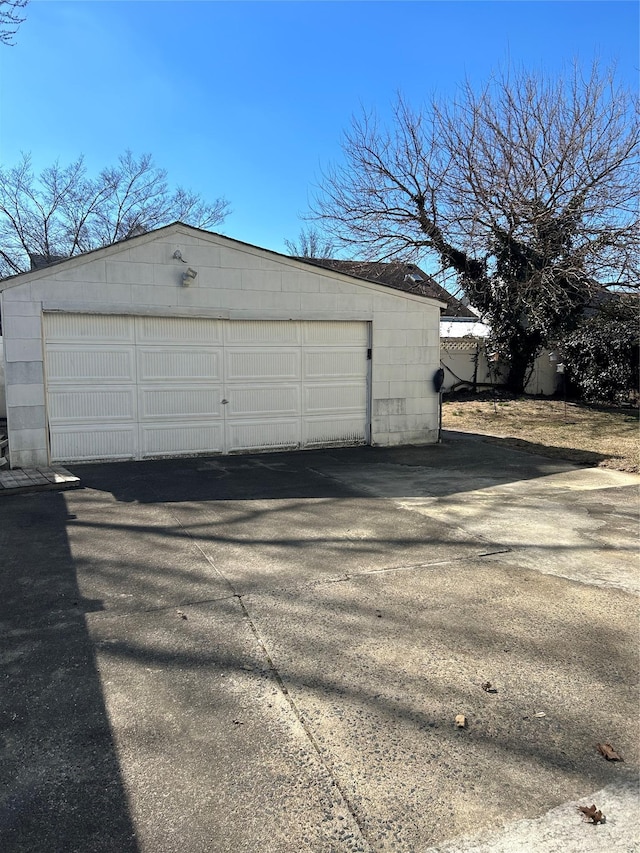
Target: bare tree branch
[[63, 212], [527, 189], [10, 19], [310, 244]]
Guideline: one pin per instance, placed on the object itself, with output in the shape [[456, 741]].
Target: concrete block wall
[[234, 281], [3, 398], [24, 381]]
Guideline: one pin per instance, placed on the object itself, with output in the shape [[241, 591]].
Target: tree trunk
[[523, 352], [518, 369]]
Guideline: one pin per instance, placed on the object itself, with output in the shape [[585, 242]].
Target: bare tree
[[10, 19], [63, 212], [310, 244], [526, 190]]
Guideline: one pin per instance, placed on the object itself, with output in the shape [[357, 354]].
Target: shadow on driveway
[[462, 462], [60, 782]]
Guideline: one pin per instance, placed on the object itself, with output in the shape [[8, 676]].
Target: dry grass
[[607, 438]]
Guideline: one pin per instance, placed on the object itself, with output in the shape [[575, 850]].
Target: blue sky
[[249, 99]]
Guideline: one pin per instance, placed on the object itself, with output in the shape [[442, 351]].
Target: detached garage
[[183, 342]]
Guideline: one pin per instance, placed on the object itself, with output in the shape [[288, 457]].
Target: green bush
[[603, 354]]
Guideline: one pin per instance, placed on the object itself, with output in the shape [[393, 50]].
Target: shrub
[[602, 354]]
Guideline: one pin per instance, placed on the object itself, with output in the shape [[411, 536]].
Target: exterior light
[[188, 277]]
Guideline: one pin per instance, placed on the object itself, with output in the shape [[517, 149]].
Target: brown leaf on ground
[[461, 721], [609, 752], [181, 614], [592, 813], [489, 688]]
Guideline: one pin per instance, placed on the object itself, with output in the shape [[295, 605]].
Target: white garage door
[[123, 387]]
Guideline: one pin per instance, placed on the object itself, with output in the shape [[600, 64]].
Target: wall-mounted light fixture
[[189, 277], [177, 255]]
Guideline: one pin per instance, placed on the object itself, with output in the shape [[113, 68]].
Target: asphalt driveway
[[268, 653]]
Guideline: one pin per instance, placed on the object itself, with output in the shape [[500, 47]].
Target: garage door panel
[[262, 365], [180, 439], [84, 364], [92, 404], [89, 328], [335, 333], [260, 435], [179, 403], [336, 430], [263, 402], [337, 363], [324, 398], [94, 442], [264, 333], [160, 364], [182, 330]]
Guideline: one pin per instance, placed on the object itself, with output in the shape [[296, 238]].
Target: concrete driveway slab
[[212, 756], [380, 665], [293, 541], [268, 653], [136, 556], [578, 523]]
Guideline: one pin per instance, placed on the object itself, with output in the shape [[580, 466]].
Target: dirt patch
[[589, 435]]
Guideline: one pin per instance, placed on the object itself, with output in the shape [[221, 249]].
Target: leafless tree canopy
[[63, 212], [526, 190], [10, 19], [310, 244]]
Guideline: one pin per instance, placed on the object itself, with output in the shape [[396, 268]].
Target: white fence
[[466, 364]]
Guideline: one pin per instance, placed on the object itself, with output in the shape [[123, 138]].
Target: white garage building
[[183, 342]]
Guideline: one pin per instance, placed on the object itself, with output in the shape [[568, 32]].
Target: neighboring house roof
[[40, 261], [400, 276], [616, 298]]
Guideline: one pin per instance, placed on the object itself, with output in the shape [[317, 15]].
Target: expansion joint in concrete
[[275, 673]]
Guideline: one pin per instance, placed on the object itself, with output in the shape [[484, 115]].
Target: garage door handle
[[224, 401]]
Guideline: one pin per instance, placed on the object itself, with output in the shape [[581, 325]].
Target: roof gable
[[90, 266]]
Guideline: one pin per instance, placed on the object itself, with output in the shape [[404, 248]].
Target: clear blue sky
[[249, 99]]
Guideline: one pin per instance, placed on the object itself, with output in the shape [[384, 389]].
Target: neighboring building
[[183, 342], [400, 276]]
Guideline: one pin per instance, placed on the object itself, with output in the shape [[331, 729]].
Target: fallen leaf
[[461, 721], [181, 614], [609, 752], [489, 688], [592, 813]]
